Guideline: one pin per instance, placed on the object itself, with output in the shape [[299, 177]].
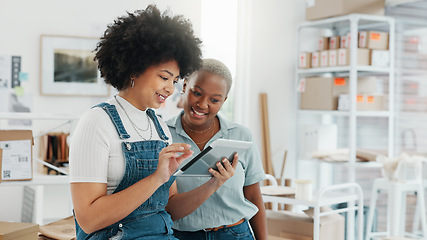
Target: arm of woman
[[259, 221], [94, 209], [182, 204]]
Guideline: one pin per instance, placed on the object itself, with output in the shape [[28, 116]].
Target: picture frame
[[68, 67]]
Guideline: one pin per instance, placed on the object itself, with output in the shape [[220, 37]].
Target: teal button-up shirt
[[227, 205]]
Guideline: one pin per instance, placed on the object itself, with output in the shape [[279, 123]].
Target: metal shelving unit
[[352, 23]]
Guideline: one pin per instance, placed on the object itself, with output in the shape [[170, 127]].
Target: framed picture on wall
[[68, 67]]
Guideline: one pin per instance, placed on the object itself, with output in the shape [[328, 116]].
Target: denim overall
[[149, 220]]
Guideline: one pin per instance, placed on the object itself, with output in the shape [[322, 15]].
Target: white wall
[[22, 23], [272, 71], [267, 64]]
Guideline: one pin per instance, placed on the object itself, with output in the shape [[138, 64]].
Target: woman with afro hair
[[121, 155]]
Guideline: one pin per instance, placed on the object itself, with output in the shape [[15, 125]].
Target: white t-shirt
[[96, 153]]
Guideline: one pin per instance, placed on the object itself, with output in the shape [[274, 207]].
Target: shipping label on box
[[315, 59], [323, 43], [324, 58], [304, 60], [334, 42], [373, 40], [16, 162]]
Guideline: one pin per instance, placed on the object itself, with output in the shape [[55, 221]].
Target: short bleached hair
[[218, 68]]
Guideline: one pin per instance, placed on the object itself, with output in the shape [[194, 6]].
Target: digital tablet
[[215, 152]]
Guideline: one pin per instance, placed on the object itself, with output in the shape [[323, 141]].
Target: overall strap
[[115, 118], [159, 129]]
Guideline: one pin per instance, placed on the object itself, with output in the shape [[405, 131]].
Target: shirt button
[[120, 225], [128, 146]]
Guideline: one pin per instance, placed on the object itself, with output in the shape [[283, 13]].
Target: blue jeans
[[240, 232]]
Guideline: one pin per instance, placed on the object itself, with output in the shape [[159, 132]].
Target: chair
[[397, 189]]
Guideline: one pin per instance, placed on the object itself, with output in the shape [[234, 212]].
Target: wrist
[[215, 183]]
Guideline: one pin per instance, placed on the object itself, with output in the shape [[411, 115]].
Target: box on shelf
[[315, 59], [304, 60], [321, 93], [333, 55], [334, 42], [380, 58], [323, 43], [364, 102], [17, 151], [345, 40], [318, 9], [363, 57], [373, 40], [290, 225], [324, 58], [16, 230]]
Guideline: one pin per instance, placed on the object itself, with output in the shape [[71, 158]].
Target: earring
[[132, 82]]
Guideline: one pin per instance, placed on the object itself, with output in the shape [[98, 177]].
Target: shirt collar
[[225, 125]]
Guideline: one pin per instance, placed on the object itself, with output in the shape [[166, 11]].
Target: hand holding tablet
[[215, 152]]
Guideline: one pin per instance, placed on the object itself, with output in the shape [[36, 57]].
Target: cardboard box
[[21, 231], [363, 57], [315, 59], [380, 58], [345, 40], [334, 42], [304, 60], [324, 58], [17, 151], [323, 43], [290, 224], [318, 9], [364, 102], [373, 40], [321, 93], [333, 55]]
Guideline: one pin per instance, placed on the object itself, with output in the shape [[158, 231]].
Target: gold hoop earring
[[132, 82]]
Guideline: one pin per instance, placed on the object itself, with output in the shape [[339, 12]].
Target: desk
[[342, 193]]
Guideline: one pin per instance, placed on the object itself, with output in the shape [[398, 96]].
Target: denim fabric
[[238, 232], [149, 220]]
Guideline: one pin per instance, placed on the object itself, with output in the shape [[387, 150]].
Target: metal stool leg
[[372, 206], [421, 200]]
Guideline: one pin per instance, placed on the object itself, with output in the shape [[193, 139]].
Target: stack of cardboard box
[[331, 93], [335, 51]]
